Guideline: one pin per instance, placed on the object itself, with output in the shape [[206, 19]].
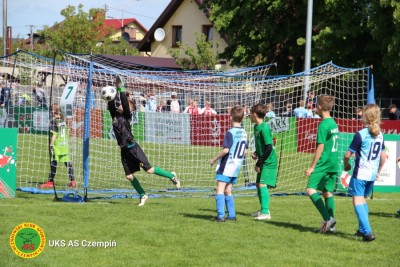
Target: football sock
[[362, 217], [53, 170], [135, 183], [70, 171], [264, 198], [220, 205], [163, 173], [330, 206], [230, 206], [366, 208], [319, 204]]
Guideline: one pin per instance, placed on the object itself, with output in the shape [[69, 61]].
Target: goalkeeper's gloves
[[119, 82]]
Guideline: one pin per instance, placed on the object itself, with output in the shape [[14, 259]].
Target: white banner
[[279, 124], [167, 128], [40, 120], [67, 99], [390, 169], [3, 117]]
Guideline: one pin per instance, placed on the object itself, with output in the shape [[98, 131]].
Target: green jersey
[[328, 134], [262, 138], [59, 127]]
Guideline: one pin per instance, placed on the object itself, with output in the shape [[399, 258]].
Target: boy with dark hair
[[132, 156], [323, 170], [230, 161]]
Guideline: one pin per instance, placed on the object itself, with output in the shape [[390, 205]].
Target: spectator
[[310, 113], [141, 104], [24, 100], [311, 99], [300, 111], [287, 111], [394, 113], [163, 106], [174, 105], [316, 115], [193, 109], [208, 110], [151, 105], [5, 97], [228, 109], [270, 112], [358, 114], [39, 96]]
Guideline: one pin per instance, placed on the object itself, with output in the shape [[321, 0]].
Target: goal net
[[179, 142]]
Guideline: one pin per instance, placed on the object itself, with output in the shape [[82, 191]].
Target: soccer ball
[[108, 93]]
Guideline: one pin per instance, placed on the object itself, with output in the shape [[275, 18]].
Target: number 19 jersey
[[368, 154], [236, 140]]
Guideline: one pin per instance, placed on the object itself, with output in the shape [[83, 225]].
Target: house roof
[[138, 62], [116, 23], [145, 43]]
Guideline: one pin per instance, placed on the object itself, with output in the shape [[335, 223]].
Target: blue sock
[[366, 208], [220, 204], [362, 217], [230, 206]]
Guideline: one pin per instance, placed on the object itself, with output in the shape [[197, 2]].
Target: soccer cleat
[[368, 238], [359, 234], [49, 184], [176, 181], [71, 184], [255, 214], [233, 219], [326, 225], [119, 82], [332, 230], [262, 217], [142, 200], [216, 219]]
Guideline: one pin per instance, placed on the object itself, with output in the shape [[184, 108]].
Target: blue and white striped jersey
[[236, 140], [368, 153]]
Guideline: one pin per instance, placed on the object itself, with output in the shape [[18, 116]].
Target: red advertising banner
[[307, 130], [76, 127], [209, 130]]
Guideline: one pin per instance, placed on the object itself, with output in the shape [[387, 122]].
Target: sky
[[22, 13]]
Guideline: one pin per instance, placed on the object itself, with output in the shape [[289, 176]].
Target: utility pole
[[4, 27], [307, 61], [31, 35]]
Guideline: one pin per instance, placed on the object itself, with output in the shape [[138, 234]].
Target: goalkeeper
[[132, 156]]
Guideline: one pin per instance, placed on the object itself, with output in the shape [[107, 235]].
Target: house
[[126, 28], [179, 22]]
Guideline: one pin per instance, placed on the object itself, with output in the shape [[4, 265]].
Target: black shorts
[[134, 158]]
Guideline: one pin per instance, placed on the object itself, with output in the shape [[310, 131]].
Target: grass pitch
[[180, 232]]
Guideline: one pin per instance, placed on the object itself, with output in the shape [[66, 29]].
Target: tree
[[350, 33], [203, 58], [81, 33]]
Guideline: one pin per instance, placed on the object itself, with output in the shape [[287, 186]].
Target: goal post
[[178, 142]]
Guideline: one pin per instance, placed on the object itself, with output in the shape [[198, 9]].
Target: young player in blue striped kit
[[368, 147], [230, 161]]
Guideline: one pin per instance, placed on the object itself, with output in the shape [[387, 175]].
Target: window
[[208, 31], [176, 35]]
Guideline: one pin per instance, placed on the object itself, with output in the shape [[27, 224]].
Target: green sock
[[264, 198], [163, 173], [330, 206], [135, 183], [319, 204]]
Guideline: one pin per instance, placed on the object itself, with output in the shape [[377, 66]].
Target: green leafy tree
[[202, 57], [350, 33], [81, 32]]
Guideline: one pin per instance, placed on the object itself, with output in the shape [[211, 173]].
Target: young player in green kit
[[323, 170], [59, 149], [266, 165]]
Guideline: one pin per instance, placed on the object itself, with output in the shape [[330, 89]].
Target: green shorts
[[267, 176], [61, 158], [322, 181]]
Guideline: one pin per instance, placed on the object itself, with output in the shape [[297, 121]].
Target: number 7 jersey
[[367, 149], [236, 140]]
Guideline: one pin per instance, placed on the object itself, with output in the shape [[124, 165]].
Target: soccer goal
[[179, 142]]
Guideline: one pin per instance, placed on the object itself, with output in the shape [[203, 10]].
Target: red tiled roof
[[116, 23]]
